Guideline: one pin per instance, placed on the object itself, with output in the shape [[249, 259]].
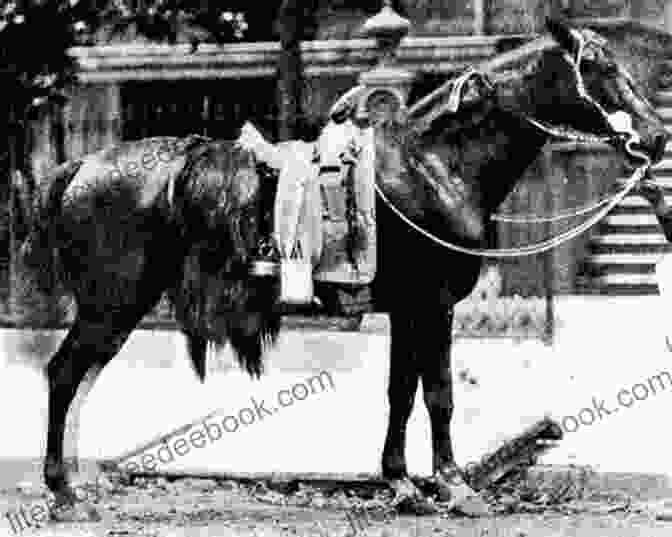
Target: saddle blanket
[[325, 201]]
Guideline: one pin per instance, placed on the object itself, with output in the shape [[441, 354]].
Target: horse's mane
[[511, 82], [215, 298]]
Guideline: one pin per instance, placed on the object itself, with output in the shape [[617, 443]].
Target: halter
[[625, 134]]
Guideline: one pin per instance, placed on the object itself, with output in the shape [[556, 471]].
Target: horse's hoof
[[458, 497], [77, 512], [470, 505], [408, 500], [104, 484], [415, 506]]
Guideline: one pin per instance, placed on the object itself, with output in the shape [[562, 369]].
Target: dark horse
[[118, 228]]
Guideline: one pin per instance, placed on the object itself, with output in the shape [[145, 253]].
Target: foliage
[[173, 21], [485, 313], [32, 72]]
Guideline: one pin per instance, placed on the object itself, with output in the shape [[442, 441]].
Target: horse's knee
[[401, 405], [439, 400], [61, 375], [438, 395], [401, 391]]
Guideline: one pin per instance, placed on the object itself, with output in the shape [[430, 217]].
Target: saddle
[[324, 206]]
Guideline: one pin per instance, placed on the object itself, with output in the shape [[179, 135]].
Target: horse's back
[[129, 177]]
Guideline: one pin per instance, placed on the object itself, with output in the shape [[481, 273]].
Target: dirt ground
[[191, 507]]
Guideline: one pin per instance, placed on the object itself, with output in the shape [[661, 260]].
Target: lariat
[[349, 159]]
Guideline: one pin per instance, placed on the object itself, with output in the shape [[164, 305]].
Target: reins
[[530, 249], [629, 135], [542, 219]]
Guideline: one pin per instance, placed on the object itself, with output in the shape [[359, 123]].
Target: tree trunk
[[13, 144], [293, 19]]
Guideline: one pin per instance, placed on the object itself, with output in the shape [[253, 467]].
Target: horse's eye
[[610, 69]]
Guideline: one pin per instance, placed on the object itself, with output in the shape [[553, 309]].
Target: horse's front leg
[[403, 385], [435, 333]]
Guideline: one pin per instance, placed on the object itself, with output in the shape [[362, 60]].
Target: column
[[667, 16], [479, 17], [388, 28]]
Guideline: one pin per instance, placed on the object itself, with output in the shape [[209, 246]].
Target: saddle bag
[[296, 278]]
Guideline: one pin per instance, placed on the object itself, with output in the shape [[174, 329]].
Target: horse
[[183, 216]]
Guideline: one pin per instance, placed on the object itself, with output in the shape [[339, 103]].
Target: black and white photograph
[[335, 268]]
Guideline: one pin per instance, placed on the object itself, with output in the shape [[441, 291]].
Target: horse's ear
[[563, 34]]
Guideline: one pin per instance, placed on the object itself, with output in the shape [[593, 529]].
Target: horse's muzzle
[[654, 149]]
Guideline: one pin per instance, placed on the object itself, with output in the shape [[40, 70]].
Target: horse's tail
[[39, 254]]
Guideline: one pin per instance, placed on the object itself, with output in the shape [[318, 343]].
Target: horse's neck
[[493, 155], [515, 90], [509, 142]]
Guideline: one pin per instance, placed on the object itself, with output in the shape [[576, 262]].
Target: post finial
[[387, 23], [388, 28]]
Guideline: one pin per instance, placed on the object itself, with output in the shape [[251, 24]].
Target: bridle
[[626, 135], [623, 135]]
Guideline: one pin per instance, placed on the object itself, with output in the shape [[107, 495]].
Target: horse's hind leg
[[87, 348]]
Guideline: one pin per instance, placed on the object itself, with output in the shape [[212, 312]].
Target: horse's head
[[581, 84]]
